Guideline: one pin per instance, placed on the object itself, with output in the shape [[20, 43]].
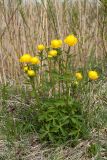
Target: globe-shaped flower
[[40, 47], [93, 75], [25, 68], [71, 40], [35, 60], [56, 43], [52, 53], [31, 73], [25, 58], [79, 76]]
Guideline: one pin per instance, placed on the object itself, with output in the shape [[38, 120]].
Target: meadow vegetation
[[53, 91]]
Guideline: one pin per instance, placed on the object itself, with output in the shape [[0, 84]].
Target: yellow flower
[[31, 73], [79, 76], [25, 68], [49, 56], [52, 53], [35, 60], [56, 43], [93, 75], [25, 58], [40, 47], [71, 40]]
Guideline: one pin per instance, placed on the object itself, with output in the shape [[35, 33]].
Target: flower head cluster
[[40, 47], [35, 60], [26, 58], [93, 75], [56, 43], [71, 40], [78, 76], [52, 53], [31, 73]]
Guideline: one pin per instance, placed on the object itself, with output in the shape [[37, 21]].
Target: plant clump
[[59, 111]]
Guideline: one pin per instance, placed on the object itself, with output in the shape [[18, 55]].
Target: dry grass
[[24, 26], [30, 149]]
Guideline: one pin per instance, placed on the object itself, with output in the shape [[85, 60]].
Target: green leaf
[[75, 121], [60, 102], [51, 110], [42, 117], [55, 129], [62, 131], [73, 133]]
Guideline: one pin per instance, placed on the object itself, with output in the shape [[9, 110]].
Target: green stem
[[98, 142], [67, 57], [35, 90], [67, 93], [59, 81], [41, 59], [67, 85], [88, 106]]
